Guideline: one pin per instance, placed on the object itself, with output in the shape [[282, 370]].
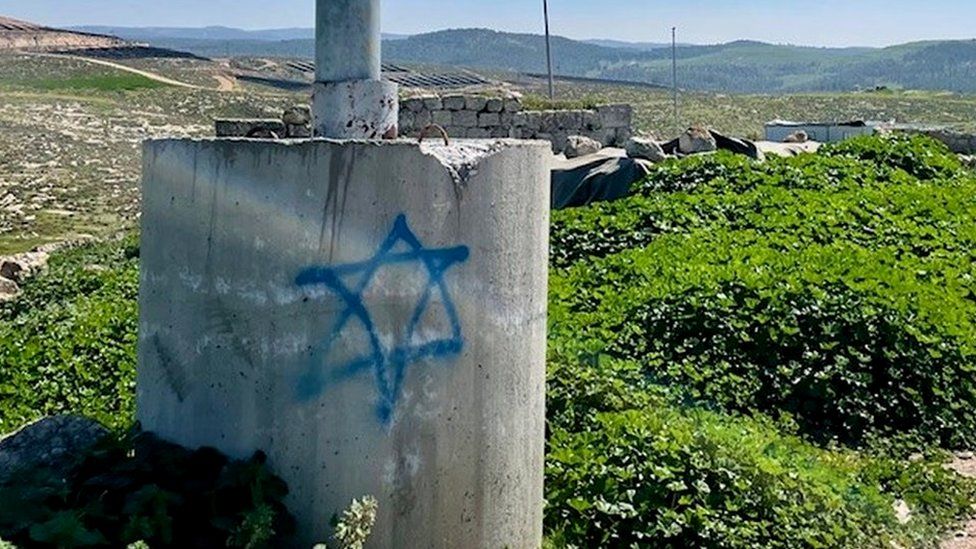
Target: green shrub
[[920, 156], [811, 199], [140, 488], [850, 341], [68, 344], [626, 467]]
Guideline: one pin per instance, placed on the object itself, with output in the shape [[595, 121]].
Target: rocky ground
[[70, 158]]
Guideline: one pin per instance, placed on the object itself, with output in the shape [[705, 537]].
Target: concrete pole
[[350, 99], [347, 40]]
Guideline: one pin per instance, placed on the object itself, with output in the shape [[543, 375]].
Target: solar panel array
[[412, 79]]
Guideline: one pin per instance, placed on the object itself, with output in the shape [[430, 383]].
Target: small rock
[[645, 148], [965, 455], [697, 140], [797, 137], [299, 115], [8, 289], [56, 443], [902, 512], [578, 145]]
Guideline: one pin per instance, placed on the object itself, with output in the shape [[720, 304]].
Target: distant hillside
[[15, 34], [735, 67], [147, 34], [742, 66]]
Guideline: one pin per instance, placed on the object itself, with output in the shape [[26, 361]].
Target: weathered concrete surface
[[371, 314], [347, 40], [357, 109]]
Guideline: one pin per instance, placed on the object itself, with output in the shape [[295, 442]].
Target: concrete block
[[443, 118], [548, 121], [489, 119], [433, 103], [616, 116], [371, 314], [414, 104], [465, 119], [254, 127], [422, 119], [503, 132], [476, 103], [408, 120], [454, 102], [478, 133], [591, 121]]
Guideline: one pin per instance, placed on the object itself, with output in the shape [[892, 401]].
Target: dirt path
[[965, 537], [225, 83], [150, 75]]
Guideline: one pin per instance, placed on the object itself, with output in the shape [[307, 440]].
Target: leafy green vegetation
[[142, 489], [745, 353], [628, 467], [100, 82], [68, 344], [835, 288]]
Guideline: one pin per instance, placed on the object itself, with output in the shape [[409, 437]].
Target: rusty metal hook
[[441, 130]]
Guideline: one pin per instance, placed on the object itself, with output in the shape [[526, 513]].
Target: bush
[[626, 467], [848, 340], [140, 488], [811, 199], [920, 156], [68, 344]]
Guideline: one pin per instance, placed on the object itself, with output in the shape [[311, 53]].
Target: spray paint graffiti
[[388, 363]]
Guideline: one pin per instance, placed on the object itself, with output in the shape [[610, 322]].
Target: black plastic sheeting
[[597, 181]]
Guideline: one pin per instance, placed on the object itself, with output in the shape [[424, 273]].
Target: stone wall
[[958, 142], [475, 116]]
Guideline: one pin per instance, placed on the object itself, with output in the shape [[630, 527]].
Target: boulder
[[8, 289], [645, 148], [56, 443], [697, 140], [797, 137], [299, 115], [19, 267], [578, 145]]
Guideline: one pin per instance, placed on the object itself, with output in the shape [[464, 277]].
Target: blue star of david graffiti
[[387, 365]]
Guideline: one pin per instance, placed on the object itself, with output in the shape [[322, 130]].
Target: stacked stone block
[[476, 116]]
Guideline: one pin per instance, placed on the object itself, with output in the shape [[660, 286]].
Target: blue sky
[[816, 22]]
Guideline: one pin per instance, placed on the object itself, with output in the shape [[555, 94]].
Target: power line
[[674, 75], [552, 86]]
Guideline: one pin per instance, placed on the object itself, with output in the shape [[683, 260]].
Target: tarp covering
[[595, 178]]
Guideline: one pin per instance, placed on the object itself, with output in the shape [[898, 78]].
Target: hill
[[147, 34], [15, 34], [734, 67]]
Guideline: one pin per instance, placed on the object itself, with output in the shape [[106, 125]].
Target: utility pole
[[674, 74], [552, 86]]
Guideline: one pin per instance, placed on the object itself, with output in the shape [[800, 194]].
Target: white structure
[[822, 132], [350, 99]]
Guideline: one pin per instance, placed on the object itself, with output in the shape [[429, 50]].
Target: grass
[[98, 82]]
